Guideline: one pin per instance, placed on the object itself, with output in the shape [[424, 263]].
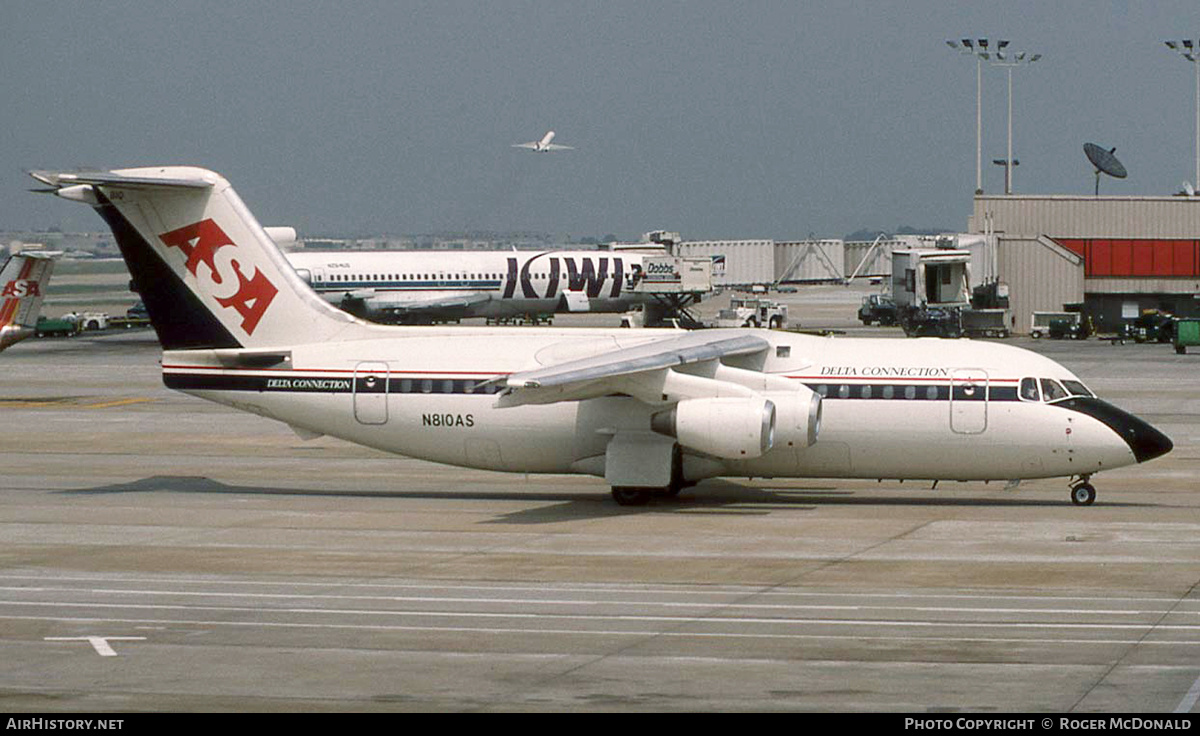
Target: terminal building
[[1117, 256], [1111, 257]]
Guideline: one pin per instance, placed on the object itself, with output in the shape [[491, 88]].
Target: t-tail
[[23, 281], [208, 273]]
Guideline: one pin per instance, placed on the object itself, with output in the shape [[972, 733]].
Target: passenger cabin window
[[1052, 390], [1029, 390]]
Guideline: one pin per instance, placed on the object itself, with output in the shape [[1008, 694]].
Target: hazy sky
[[715, 119]]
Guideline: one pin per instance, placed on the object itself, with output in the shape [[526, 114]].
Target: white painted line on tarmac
[[99, 643], [1189, 700], [583, 632]]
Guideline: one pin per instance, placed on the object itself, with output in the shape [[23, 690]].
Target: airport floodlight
[[979, 49], [1189, 52], [1010, 61], [1007, 171]]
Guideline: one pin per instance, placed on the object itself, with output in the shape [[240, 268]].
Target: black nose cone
[[1144, 441], [1147, 442]]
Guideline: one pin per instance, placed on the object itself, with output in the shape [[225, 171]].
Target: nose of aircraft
[[1144, 441]]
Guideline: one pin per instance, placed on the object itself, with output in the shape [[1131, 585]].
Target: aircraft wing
[[531, 144], [556, 147], [635, 371]]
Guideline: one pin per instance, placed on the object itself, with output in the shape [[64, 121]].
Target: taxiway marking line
[[642, 618], [708, 605], [117, 402], [99, 643], [606, 589], [1189, 700], [573, 632]]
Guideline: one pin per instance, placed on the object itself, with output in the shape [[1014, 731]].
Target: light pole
[[1010, 61], [1191, 51], [1007, 171], [979, 49]]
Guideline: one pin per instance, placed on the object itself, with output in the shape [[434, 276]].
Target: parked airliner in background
[[647, 410], [23, 281], [413, 287], [544, 145]]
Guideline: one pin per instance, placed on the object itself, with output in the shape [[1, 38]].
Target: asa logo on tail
[[201, 242], [21, 288]]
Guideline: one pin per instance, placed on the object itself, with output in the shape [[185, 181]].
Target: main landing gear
[[1083, 493], [634, 496], [640, 496]]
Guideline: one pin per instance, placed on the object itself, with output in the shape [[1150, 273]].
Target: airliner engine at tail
[[23, 282], [648, 410], [544, 145]]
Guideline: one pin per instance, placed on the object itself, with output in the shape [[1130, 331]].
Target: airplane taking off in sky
[[23, 282], [415, 287], [544, 145], [647, 410]]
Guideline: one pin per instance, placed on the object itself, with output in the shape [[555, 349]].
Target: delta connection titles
[[1111, 723], [876, 371]]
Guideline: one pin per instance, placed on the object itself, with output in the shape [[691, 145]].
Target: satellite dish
[[1105, 163]]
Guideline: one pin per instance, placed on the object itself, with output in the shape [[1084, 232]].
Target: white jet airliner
[[414, 287], [23, 282], [647, 410], [544, 145]]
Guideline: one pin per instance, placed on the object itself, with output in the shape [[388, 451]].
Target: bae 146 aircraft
[[544, 145], [414, 287], [23, 282], [647, 410]]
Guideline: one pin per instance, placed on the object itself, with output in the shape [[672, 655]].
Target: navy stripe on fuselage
[[362, 384], [440, 384], [912, 392]]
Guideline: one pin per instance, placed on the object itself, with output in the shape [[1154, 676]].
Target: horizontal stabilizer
[[113, 179]]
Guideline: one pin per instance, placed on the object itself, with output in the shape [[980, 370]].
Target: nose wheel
[[1083, 493]]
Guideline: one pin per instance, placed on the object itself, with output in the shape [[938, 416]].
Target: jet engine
[[798, 415], [739, 428]]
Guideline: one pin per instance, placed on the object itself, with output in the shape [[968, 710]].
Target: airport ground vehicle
[[88, 321], [650, 411], [1055, 324], [48, 327], [743, 312], [1187, 334], [984, 322], [1152, 326], [877, 308]]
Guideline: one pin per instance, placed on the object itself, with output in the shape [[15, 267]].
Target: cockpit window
[[1077, 389], [1052, 390], [1029, 390]]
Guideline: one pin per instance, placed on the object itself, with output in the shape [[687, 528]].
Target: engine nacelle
[[739, 428], [798, 416], [284, 237]]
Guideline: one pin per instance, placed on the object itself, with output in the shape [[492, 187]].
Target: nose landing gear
[[1083, 493]]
